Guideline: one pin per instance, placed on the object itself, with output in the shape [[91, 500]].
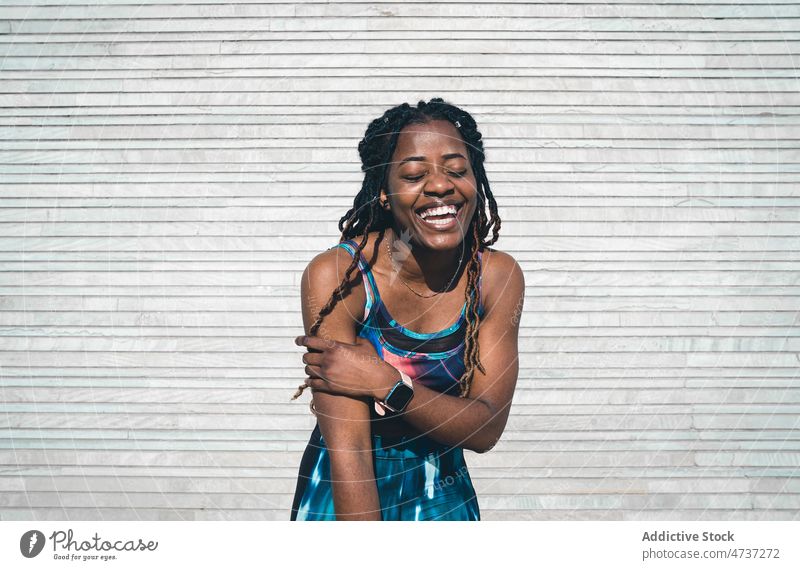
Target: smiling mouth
[[440, 217]]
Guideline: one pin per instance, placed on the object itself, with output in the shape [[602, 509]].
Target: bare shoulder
[[503, 279], [325, 273], [334, 261]]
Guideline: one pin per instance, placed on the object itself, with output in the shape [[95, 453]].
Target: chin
[[440, 241]]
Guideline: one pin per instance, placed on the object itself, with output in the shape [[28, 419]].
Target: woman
[[397, 404]]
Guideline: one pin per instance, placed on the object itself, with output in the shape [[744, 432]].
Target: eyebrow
[[422, 158]]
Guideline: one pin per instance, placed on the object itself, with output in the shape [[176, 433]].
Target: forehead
[[429, 140]]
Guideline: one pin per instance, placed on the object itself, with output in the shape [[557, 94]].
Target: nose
[[438, 181]]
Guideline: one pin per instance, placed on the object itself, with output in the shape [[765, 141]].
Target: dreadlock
[[376, 150]]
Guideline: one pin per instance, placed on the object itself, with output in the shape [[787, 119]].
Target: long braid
[[376, 150], [471, 348]]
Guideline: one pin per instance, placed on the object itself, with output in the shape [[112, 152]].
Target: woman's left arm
[[477, 421]]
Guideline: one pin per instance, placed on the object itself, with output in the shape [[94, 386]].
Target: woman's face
[[430, 168]]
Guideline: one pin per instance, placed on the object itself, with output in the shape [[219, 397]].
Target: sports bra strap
[[366, 275], [371, 287]]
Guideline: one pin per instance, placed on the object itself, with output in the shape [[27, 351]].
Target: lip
[[453, 223]]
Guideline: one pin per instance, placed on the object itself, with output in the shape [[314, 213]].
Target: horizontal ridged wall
[[167, 171]]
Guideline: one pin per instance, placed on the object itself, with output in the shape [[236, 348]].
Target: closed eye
[[449, 173]]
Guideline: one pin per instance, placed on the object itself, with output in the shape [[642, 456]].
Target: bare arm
[[343, 421], [477, 421]]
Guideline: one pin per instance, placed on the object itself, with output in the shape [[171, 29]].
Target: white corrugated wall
[[167, 171]]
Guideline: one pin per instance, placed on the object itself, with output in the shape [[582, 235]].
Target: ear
[[383, 200]]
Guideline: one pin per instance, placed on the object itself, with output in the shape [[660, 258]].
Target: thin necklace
[[389, 249]]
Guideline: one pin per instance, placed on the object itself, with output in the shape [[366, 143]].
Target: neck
[[439, 270]]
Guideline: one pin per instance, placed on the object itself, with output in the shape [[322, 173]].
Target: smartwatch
[[399, 396]]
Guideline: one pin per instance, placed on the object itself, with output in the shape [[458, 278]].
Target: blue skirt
[[417, 479]]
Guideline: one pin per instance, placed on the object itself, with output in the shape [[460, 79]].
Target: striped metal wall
[[167, 171]]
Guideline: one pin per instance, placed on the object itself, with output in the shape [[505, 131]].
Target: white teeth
[[438, 222], [451, 209]]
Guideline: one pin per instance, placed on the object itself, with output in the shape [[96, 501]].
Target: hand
[[353, 370]]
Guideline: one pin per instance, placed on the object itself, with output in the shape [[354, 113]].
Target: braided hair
[[376, 150]]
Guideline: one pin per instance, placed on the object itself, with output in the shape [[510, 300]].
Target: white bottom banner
[[488, 545]]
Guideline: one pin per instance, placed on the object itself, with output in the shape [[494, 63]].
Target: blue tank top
[[433, 359]]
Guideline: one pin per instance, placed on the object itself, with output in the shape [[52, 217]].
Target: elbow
[[485, 439], [483, 445]]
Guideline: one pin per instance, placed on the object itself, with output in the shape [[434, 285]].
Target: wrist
[[390, 378]]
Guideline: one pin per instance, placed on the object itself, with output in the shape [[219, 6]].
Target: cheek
[[472, 212], [473, 183], [403, 200]]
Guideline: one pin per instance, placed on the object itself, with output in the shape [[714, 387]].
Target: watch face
[[399, 397]]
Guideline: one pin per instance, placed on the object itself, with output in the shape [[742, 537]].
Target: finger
[[319, 385], [315, 384], [314, 342], [324, 388], [312, 358], [315, 372]]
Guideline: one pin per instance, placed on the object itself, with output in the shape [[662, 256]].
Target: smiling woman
[[397, 404]]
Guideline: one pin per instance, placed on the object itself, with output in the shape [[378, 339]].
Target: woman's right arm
[[343, 421]]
